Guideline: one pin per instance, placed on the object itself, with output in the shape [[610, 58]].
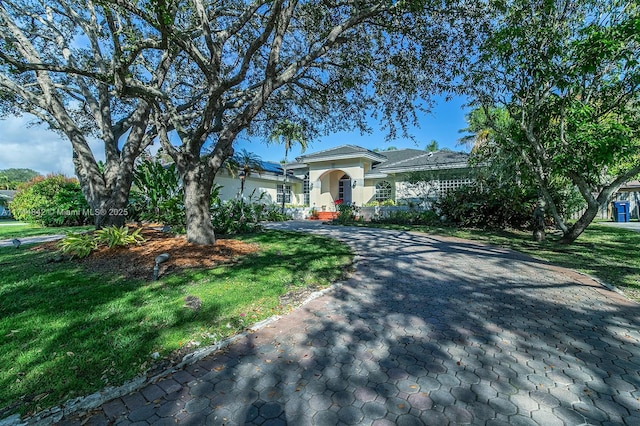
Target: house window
[[383, 191], [287, 196], [305, 189]]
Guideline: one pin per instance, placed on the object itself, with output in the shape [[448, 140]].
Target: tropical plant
[[246, 163], [52, 201], [78, 245], [113, 236], [82, 244], [237, 217], [157, 195], [288, 134]]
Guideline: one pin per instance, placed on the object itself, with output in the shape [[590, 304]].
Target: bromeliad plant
[[78, 245], [81, 245], [114, 236]]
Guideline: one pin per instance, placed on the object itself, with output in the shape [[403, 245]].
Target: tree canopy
[[557, 84], [198, 73], [77, 66]]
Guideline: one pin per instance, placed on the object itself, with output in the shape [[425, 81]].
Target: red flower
[[338, 201]]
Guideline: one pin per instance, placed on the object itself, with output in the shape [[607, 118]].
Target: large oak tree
[[208, 71], [321, 64], [79, 67]]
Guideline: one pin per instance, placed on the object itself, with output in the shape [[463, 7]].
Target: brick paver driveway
[[428, 330]]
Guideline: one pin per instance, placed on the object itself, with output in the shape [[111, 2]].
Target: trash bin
[[621, 211]]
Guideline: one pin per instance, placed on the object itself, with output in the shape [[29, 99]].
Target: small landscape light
[[159, 259]]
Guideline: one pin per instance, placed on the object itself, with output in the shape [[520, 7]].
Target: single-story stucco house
[[352, 174]]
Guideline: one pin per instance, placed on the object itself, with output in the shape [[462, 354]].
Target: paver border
[[92, 401]]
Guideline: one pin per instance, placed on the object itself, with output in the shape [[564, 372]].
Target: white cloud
[[36, 147]]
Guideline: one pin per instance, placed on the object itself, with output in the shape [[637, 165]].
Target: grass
[[67, 332], [10, 230], [607, 253]]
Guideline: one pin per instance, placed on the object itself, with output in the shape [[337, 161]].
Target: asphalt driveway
[[428, 330]]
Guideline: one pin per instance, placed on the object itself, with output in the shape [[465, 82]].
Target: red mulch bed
[[137, 262]]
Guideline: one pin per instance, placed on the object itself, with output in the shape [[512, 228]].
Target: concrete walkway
[[632, 226], [32, 240], [428, 330]]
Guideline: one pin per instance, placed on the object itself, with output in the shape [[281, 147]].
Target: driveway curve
[[427, 330]]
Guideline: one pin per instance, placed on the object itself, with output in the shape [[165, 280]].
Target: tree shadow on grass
[[434, 331], [90, 331]]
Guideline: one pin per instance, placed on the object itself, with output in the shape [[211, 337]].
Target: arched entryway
[[334, 185]]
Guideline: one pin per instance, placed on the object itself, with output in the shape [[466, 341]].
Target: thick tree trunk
[[112, 210], [197, 203], [578, 228], [107, 203]]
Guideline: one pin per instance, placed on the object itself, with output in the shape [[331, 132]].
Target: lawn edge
[[94, 400]]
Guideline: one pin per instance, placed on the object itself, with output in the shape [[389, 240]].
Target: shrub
[[489, 207], [243, 216], [346, 213], [156, 195], [386, 203], [81, 245], [52, 201]]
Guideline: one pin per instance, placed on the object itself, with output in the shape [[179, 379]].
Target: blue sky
[[442, 125], [37, 148]]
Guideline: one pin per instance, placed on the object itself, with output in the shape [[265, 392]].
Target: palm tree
[[243, 163], [288, 133]]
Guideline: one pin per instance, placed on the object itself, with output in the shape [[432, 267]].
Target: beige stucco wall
[[231, 187]]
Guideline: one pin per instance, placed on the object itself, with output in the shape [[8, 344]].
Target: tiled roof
[[631, 185], [414, 159], [340, 151]]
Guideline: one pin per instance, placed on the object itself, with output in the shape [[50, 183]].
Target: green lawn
[[10, 230], [67, 332], [608, 253]]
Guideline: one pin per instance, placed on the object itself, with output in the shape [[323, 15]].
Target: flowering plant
[[338, 201]]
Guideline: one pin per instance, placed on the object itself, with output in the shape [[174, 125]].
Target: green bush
[[242, 216], [483, 206], [387, 203], [156, 195], [52, 201], [410, 217], [346, 213]]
